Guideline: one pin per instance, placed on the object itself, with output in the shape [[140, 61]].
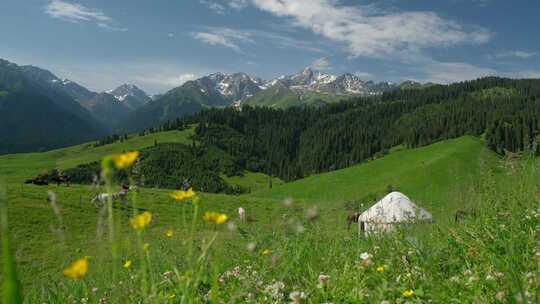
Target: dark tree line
[[177, 124], [110, 139], [171, 166]]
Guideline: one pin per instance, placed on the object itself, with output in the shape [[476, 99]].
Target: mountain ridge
[[109, 108], [35, 116], [309, 87], [131, 95], [127, 108]]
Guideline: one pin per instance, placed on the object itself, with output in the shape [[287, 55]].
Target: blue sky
[[160, 44]]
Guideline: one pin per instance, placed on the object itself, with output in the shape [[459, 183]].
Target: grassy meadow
[[18, 167], [294, 245]]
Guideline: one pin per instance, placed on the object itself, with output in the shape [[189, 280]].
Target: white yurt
[[393, 209]]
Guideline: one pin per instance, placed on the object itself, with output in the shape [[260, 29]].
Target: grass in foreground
[[293, 252]]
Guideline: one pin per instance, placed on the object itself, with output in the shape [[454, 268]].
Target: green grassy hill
[[433, 175], [442, 178], [18, 167]]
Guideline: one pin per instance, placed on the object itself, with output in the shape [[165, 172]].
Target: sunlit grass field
[[294, 245], [18, 167]]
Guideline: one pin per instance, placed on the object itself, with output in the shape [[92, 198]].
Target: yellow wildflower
[[180, 195], [408, 293], [169, 233], [125, 160], [127, 264], [215, 218], [78, 269], [380, 269], [266, 251], [141, 221], [146, 247]]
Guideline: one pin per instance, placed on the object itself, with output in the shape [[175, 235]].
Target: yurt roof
[[394, 208]]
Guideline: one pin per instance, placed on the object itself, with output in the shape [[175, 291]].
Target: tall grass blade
[[11, 287]]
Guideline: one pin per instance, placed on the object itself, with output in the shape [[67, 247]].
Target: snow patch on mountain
[[130, 94], [310, 80]]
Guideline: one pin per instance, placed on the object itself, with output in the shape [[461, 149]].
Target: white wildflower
[[275, 290], [312, 213], [297, 297], [251, 246], [288, 202], [365, 256], [323, 280], [231, 226]]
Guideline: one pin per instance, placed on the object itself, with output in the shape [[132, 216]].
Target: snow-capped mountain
[[221, 89], [108, 109], [155, 96], [71, 88], [215, 90], [232, 87], [129, 108], [130, 95], [310, 80]]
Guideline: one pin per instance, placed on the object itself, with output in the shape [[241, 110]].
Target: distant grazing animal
[[461, 215], [242, 214], [40, 180], [61, 179], [104, 197], [128, 188], [37, 181], [185, 184], [353, 218], [45, 179]]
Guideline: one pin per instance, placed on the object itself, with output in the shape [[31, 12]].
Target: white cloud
[[166, 80], [321, 64], [513, 54], [238, 4], [224, 37], [286, 42], [525, 74], [216, 39], [364, 75], [112, 27], [74, 12], [179, 79], [221, 7], [448, 72], [234, 39], [482, 3], [216, 7], [372, 33]]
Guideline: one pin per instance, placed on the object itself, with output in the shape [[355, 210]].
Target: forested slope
[[298, 142]]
